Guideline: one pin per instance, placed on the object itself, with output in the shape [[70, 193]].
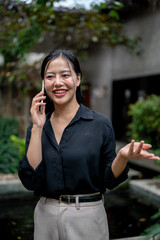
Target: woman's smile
[[60, 92]]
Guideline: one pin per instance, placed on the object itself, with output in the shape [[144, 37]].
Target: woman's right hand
[[38, 110]]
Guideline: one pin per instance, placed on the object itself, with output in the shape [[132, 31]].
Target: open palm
[[137, 150]]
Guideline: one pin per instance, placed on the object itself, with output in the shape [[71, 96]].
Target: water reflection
[[16, 216], [127, 215]]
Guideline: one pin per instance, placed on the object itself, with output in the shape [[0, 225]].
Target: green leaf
[[114, 14]]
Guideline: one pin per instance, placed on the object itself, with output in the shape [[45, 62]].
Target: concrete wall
[[126, 65], [120, 64]]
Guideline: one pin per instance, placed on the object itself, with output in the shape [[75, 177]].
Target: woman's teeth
[[60, 91]]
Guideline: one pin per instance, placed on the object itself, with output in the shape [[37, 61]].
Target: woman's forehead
[[59, 63]]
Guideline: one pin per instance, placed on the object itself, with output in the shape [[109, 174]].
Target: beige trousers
[[59, 221]]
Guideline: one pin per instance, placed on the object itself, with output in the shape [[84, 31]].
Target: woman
[[70, 156]]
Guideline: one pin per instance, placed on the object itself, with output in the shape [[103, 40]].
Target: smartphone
[[42, 90]]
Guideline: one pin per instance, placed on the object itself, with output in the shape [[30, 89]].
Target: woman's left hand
[[137, 150]]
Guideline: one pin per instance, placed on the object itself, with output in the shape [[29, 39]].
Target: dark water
[[16, 217], [127, 215]]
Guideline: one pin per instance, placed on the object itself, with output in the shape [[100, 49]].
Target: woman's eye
[[50, 77], [65, 76]]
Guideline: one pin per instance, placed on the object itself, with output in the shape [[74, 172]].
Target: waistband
[[93, 197], [72, 200], [55, 203]]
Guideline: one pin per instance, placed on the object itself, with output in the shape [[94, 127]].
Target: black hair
[[69, 56]]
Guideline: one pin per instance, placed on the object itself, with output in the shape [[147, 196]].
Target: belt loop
[[77, 203], [103, 198], [44, 199]]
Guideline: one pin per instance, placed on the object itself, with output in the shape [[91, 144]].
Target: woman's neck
[[66, 111]]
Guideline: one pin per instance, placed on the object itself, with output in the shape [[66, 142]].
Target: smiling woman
[[70, 156]]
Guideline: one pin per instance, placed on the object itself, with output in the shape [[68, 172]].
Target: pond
[[127, 215]]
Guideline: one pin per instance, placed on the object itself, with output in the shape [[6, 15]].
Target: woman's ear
[[78, 79]]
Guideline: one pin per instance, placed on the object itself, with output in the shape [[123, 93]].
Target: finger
[[39, 95], [131, 148], [146, 146], [154, 158], [139, 148], [149, 156], [37, 106], [38, 99], [42, 109]]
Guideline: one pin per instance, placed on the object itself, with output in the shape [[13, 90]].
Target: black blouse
[[80, 164]]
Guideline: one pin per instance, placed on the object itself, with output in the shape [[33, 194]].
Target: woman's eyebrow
[[65, 71], [59, 72]]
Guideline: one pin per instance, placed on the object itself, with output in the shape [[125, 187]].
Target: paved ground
[[149, 189], [10, 183]]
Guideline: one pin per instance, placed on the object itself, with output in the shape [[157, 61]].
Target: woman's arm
[[133, 150], [32, 160], [34, 152]]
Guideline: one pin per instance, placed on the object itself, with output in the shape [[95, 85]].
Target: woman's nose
[[58, 80]]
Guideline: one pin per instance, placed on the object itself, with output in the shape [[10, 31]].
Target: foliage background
[[24, 26], [11, 150], [145, 121]]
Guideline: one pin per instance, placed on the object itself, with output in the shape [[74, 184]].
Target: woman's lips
[[60, 92]]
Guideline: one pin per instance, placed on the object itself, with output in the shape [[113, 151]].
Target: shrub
[[8, 126], [145, 124], [19, 144], [10, 154], [9, 157]]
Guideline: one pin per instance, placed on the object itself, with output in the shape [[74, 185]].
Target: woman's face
[[61, 81]]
